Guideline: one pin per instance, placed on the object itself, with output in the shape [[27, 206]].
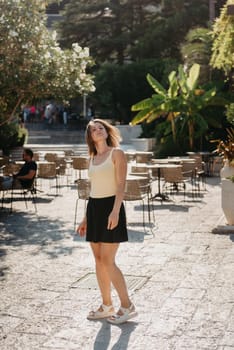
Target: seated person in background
[[25, 177]]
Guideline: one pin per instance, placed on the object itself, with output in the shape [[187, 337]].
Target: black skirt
[[98, 211]]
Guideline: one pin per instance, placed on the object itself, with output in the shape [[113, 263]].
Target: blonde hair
[[113, 138]]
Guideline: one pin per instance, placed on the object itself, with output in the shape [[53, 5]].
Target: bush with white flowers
[[32, 65]]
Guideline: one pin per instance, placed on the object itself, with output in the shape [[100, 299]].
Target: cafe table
[[160, 166], [172, 160]]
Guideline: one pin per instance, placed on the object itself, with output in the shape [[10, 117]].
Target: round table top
[[174, 160], [163, 165]]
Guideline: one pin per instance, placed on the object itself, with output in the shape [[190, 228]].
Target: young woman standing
[[105, 222]]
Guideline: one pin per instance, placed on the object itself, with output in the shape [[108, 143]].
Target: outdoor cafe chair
[[174, 180], [140, 171], [139, 190], [200, 169], [48, 170], [189, 172], [51, 157], [17, 188], [11, 168], [83, 191], [130, 156], [80, 164], [143, 157]]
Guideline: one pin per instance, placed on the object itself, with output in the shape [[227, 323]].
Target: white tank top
[[102, 177]]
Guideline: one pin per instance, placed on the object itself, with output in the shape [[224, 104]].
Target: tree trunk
[[191, 133]]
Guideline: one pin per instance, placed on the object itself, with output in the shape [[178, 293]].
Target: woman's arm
[[120, 165], [81, 229]]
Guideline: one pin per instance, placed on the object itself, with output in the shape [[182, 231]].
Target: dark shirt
[[27, 183]]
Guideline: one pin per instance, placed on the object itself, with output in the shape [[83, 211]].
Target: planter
[[144, 144], [227, 200], [129, 131], [227, 170]]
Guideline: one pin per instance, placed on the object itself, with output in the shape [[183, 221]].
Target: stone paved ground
[[180, 276]]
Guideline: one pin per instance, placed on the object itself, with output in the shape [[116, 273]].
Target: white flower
[[76, 47], [77, 82], [54, 35], [48, 55], [13, 33]]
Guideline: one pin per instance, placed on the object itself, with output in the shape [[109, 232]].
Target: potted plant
[[227, 199], [225, 148]]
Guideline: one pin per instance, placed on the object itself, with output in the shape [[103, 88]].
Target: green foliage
[[197, 49], [223, 41], [149, 130], [131, 30], [230, 113], [182, 104], [118, 87], [231, 178], [32, 65], [12, 135], [165, 145], [225, 147]]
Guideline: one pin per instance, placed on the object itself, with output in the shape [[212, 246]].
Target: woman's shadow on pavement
[[103, 337]]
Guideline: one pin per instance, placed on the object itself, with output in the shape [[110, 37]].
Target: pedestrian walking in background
[[32, 114], [105, 222], [65, 115]]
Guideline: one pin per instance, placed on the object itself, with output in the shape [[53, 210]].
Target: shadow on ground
[[224, 230], [38, 233], [103, 337]]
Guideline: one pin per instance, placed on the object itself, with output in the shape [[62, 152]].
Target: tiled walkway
[[180, 277]]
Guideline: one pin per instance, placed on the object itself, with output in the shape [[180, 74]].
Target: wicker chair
[[145, 172], [189, 172], [11, 168], [143, 157], [3, 161], [200, 170], [130, 156], [61, 168], [36, 156], [140, 171], [48, 171], [51, 157], [17, 188], [139, 190], [174, 180], [80, 164], [83, 189]]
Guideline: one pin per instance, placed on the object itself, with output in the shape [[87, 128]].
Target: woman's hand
[[113, 220], [81, 229]]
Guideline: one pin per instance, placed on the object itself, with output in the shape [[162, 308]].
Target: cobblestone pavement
[[179, 273]]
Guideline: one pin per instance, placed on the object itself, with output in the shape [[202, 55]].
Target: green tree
[[181, 103], [118, 87], [223, 41], [162, 38], [197, 49], [32, 65], [109, 28], [131, 30]]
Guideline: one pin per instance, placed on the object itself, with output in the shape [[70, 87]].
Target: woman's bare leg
[[107, 255], [102, 274]]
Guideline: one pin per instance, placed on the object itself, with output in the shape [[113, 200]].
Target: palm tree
[[183, 101]]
